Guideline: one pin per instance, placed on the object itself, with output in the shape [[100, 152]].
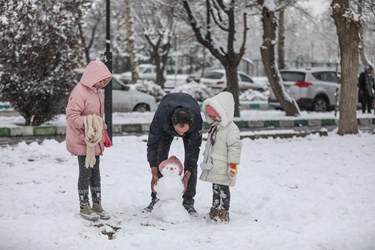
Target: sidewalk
[[258, 124]]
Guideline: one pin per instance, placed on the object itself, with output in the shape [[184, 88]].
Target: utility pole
[[108, 57]]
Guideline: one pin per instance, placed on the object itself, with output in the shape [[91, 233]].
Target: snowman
[[169, 191]]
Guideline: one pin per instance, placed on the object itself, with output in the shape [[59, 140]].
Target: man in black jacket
[[178, 114], [365, 85]]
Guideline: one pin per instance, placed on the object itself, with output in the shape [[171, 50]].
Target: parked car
[[217, 81], [145, 72], [312, 88], [125, 98]]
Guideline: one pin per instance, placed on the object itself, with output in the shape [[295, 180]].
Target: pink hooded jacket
[[84, 100]]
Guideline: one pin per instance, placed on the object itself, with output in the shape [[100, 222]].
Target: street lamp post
[[108, 88]]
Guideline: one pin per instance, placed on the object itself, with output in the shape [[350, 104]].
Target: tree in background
[[88, 29], [288, 104], [220, 14], [347, 26], [131, 42], [39, 50], [281, 40], [156, 23]]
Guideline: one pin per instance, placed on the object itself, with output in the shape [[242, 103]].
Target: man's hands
[[154, 178], [185, 179]]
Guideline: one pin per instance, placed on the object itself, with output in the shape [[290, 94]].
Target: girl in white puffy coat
[[222, 153]]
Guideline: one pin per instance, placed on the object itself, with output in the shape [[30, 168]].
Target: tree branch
[[243, 47], [218, 22]]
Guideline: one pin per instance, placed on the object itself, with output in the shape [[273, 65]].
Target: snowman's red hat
[[171, 160]]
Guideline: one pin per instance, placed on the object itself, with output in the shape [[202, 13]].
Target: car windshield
[[327, 76], [116, 85], [245, 78], [213, 75], [293, 76], [145, 69]]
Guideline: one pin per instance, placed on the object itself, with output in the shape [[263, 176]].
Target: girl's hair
[[182, 116]]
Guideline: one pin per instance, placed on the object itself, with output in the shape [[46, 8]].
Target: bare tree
[[268, 56], [156, 21], [347, 26], [229, 58], [90, 26], [131, 44]]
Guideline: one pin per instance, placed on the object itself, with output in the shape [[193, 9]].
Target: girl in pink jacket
[[86, 135]]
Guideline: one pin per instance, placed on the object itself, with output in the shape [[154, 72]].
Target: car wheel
[[141, 108], [320, 104]]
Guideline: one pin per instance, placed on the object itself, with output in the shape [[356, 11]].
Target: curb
[[142, 128]]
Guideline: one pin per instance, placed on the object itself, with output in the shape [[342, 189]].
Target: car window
[[213, 75], [116, 85], [293, 76], [245, 78], [330, 76]]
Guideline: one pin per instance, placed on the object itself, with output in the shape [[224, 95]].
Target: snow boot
[[149, 208], [214, 214], [98, 209], [87, 213], [223, 215], [191, 210]]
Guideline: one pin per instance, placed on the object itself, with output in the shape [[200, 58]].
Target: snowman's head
[[171, 166], [170, 170]]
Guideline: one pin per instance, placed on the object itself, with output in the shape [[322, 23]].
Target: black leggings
[[221, 196], [88, 177]]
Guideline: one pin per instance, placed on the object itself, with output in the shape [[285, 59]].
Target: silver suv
[[312, 88]]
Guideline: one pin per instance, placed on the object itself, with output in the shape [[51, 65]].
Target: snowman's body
[[169, 191]]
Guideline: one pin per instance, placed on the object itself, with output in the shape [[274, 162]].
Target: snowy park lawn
[[291, 194]]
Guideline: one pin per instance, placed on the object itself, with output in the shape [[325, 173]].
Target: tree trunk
[[159, 62], [268, 56], [203, 61], [281, 41], [231, 72], [131, 44], [348, 36]]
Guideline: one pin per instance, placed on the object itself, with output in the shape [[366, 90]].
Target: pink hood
[[85, 100], [95, 72]]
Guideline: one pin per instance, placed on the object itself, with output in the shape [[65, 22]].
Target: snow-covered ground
[[309, 193]]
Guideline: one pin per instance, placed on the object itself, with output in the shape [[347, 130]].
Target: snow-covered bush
[[151, 88], [254, 95], [39, 50], [199, 91]]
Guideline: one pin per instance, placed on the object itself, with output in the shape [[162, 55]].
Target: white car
[[217, 81], [125, 98], [313, 88], [145, 72]]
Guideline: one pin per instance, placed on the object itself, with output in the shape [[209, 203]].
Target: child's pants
[[221, 196], [88, 177]]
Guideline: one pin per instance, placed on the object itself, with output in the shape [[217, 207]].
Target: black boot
[[189, 206], [149, 208]]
